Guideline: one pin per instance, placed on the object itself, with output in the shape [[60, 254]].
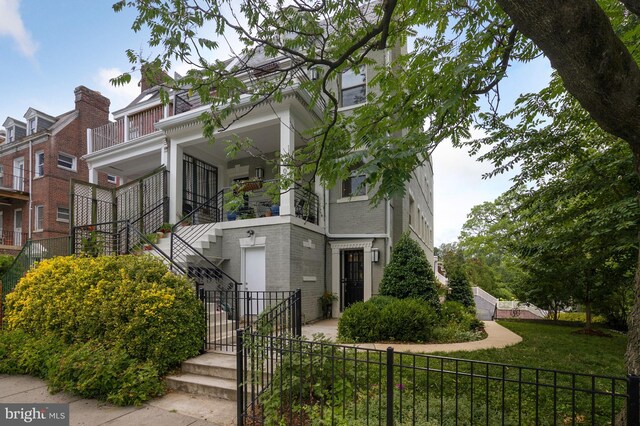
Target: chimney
[[87, 98], [150, 77]]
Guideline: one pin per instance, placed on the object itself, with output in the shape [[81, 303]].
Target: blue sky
[[47, 48]]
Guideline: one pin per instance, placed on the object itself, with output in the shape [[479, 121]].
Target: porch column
[[93, 175], [164, 155], [335, 281], [126, 128], [175, 182], [287, 146]]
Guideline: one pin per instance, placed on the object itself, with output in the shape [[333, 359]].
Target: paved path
[[173, 409], [497, 337]]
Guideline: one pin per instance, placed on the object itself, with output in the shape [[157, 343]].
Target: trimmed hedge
[[387, 319], [104, 327]]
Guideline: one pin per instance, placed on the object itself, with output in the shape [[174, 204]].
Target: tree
[[460, 290], [409, 274], [462, 56]]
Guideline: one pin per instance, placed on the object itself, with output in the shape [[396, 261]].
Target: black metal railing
[[33, 251], [306, 204], [227, 311], [12, 238], [291, 381]]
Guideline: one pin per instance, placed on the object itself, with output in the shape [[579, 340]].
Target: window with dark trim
[[353, 88], [353, 186]]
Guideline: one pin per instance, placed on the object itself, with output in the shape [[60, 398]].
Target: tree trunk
[[598, 70], [587, 315]]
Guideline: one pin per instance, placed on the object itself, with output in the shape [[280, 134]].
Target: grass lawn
[[557, 347]]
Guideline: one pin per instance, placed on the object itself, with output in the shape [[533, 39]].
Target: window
[[353, 88], [32, 126], [67, 161], [412, 206], [112, 179], [1, 172], [353, 186], [62, 214], [12, 134], [39, 164], [39, 219]]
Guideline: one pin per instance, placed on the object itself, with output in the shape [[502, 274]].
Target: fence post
[[240, 378], [72, 241], [126, 240], [203, 298], [389, 386], [633, 400], [298, 313]]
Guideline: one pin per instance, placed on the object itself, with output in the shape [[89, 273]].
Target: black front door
[[352, 277]]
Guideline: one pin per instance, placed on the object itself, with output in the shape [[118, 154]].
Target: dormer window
[[32, 128], [12, 134]]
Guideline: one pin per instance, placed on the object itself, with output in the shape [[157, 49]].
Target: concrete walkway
[[497, 337], [173, 409]]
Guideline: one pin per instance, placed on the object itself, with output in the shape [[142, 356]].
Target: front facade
[[39, 154], [310, 237]]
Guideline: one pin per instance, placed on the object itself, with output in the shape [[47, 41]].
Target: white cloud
[[458, 187], [11, 25], [120, 96]]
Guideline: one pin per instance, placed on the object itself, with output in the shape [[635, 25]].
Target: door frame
[[248, 243], [344, 279], [17, 236], [337, 247]]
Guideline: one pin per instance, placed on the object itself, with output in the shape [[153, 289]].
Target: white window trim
[[37, 216], [58, 219], [352, 199], [35, 125], [35, 172], [115, 179], [75, 162], [11, 134]]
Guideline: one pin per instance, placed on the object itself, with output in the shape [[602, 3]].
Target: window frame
[[38, 217], [362, 191], [74, 162], [344, 87], [37, 173], [32, 130], [61, 219], [11, 134], [114, 181]]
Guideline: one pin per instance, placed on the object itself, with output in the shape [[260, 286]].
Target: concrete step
[[212, 364], [203, 385]]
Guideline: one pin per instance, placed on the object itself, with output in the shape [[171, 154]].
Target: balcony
[[12, 238], [126, 129], [14, 187]]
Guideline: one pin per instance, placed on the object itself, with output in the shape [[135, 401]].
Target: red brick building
[[38, 157]]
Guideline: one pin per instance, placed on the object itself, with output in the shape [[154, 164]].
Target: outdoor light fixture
[[259, 172], [375, 255]]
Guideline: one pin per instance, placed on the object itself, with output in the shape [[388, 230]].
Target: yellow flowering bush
[[128, 302]]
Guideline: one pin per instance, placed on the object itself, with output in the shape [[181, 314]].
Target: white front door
[[17, 227], [18, 174], [254, 275]]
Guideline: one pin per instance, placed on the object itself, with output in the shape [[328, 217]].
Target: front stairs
[[212, 374], [203, 238]]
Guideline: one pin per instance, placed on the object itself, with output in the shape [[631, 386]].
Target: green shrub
[[11, 344], [408, 274], [130, 302], [360, 323], [5, 263], [407, 320], [460, 289], [381, 301], [455, 314]]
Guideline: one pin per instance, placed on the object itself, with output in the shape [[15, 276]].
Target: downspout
[[30, 185]]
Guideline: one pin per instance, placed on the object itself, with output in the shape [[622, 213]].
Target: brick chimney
[[150, 78], [90, 101]]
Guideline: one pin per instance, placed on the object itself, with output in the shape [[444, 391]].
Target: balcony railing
[[18, 182], [12, 238], [126, 129]]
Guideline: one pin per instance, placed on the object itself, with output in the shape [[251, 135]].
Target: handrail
[[155, 247], [204, 258]]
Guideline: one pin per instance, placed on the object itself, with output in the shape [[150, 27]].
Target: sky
[[48, 48]]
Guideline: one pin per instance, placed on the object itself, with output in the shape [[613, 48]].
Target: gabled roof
[[10, 122], [32, 112]]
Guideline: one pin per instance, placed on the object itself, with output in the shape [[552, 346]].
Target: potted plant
[[326, 303], [273, 191], [165, 228], [233, 204]]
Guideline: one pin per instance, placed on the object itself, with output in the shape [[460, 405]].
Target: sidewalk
[[497, 337], [173, 409]]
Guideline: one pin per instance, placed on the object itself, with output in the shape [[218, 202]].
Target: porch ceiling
[[133, 168]]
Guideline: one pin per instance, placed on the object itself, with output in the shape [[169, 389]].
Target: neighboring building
[[320, 240], [38, 157]]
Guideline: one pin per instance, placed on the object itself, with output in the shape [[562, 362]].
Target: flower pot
[[231, 216], [275, 210]]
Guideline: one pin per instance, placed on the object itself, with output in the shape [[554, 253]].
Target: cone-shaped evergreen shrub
[[409, 273], [460, 290]]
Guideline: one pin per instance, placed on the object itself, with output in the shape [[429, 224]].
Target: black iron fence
[[227, 311], [286, 380]]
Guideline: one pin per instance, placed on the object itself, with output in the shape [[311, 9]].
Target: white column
[[93, 175], [164, 154], [175, 183], [335, 281], [126, 128], [89, 141], [165, 111], [287, 146]]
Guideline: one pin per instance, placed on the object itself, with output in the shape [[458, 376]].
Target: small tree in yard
[[460, 289], [409, 273]]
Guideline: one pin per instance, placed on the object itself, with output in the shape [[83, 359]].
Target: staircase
[[212, 374]]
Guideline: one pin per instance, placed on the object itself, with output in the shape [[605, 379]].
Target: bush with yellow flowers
[[141, 316]]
